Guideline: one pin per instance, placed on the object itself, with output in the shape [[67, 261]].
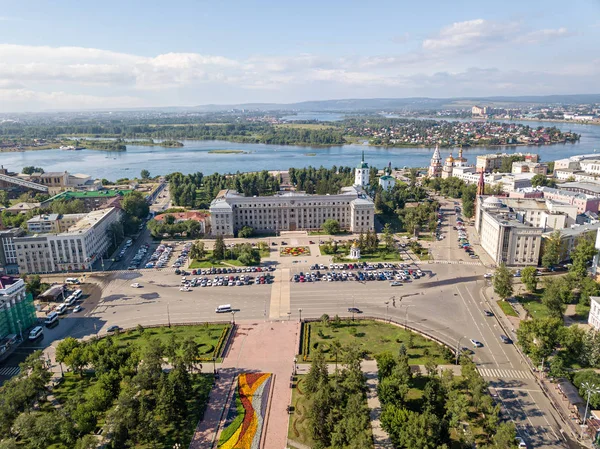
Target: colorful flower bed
[[295, 251], [244, 423]]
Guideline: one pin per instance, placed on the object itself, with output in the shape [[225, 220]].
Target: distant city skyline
[[74, 55]]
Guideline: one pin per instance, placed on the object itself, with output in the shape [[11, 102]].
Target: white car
[[488, 275], [476, 343], [185, 289], [521, 442], [136, 285], [77, 309]]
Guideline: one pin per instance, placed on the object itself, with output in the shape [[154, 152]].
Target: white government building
[[291, 211], [75, 249]]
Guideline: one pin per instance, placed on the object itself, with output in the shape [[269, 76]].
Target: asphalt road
[[446, 303]]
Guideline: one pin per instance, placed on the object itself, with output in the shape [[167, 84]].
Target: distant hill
[[415, 103]]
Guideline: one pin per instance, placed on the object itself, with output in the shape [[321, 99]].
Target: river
[[195, 156]]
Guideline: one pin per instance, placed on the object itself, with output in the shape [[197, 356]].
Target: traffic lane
[[421, 311], [158, 304], [488, 332], [520, 401]]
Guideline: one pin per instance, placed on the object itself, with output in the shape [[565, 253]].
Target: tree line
[[121, 388], [445, 413]]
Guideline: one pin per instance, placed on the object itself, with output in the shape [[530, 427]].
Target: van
[[36, 332], [70, 300], [223, 309], [51, 318], [72, 281], [77, 294], [62, 308]]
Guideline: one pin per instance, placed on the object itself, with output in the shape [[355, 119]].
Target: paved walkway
[[280, 295], [381, 439], [257, 347]]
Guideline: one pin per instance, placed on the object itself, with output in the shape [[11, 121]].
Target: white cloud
[[470, 34], [535, 37]]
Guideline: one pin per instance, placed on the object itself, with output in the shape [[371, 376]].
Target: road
[[447, 303]]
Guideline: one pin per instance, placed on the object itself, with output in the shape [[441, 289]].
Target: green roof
[[362, 165], [90, 194], [387, 178]]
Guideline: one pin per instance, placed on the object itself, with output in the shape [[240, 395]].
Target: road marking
[[476, 325], [505, 373], [10, 371]]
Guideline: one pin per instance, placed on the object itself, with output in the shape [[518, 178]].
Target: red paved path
[[257, 347]]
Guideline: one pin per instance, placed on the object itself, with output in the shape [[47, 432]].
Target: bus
[[62, 308], [51, 318]]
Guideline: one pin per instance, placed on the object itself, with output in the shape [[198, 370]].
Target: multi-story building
[[8, 252], [491, 162], [505, 235], [570, 236], [92, 200], [536, 168], [54, 223], [387, 182], [583, 201], [589, 188], [75, 249], [290, 211], [17, 312], [594, 316]]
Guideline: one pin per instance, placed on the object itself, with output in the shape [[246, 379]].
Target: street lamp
[[457, 348], [20, 330], [591, 388], [214, 360], [387, 308], [289, 314], [300, 312], [233, 317], [168, 314]]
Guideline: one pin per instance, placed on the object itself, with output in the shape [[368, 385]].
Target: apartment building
[[54, 223], [536, 168], [17, 312], [8, 252], [583, 201], [594, 316], [75, 249], [92, 200], [570, 236], [491, 162]]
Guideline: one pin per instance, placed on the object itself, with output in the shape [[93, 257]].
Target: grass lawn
[[507, 308], [207, 336], [374, 337], [582, 311], [534, 306], [324, 233], [207, 262], [378, 256]]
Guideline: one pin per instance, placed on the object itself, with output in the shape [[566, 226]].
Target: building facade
[[55, 223], [17, 312], [76, 249], [387, 182], [8, 251], [290, 211], [594, 316], [361, 173]]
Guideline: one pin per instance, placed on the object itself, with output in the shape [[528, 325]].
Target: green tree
[[317, 373], [87, 442], [4, 201], [557, 292], [135, 205], [539, 181], [248, 255], [582, 255], [539, 337], [72, 353], [145, 174], [197, 251], [506, 436], [503, 282], [31, 169], [219, 248], [529, 278], [246, 232], [388, 238], [552, 250], [331, 226]]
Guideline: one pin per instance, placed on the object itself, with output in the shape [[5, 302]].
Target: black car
[[114, 328], [505, 339], [488, 313], [354, 310]]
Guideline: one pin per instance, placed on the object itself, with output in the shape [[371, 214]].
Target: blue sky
[[83, 54]]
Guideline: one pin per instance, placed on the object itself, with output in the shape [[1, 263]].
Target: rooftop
[[7, 281], [41, 218], [189, 215], [90, 194], [591, 186], [89, 220], [576, 231]]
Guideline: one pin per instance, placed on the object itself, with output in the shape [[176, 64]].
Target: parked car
[[113, 328], [354, 310], [476, 343], [136, 285], [504, 339], [488, 313]]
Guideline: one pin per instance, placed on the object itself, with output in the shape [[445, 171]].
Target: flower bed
[[295, 251], [243, 426]]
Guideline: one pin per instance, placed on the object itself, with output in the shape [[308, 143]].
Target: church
[[437, 170]]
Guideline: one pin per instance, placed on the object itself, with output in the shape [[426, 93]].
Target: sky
[[68, 54]]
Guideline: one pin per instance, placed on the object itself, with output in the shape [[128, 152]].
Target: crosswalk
[[9, 371], [505, 373]]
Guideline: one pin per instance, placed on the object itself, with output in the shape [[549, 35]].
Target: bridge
[[23, 183]]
